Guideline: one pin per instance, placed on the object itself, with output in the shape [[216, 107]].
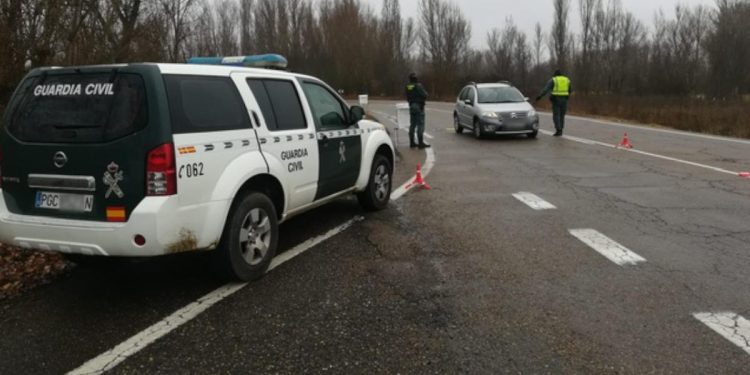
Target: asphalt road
[[463, 278]]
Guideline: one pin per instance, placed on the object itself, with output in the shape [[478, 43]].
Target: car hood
[[506, 107]]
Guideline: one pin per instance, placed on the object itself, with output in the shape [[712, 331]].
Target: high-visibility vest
[[562, 86]]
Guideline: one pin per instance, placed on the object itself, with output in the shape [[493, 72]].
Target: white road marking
[[606, 246], [651, 154], [534, 201], [426, 168], [657, 130], [113, 357], [731, 326]]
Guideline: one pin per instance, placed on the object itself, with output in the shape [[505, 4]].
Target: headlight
[[489, 114], [532, 113]]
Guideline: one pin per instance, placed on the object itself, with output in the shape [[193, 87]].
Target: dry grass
[[721, 117]]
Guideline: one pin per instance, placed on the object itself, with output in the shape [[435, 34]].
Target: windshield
[[499, 95], [78, 108]]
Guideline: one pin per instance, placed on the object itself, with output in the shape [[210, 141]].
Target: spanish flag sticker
[[116, 213]]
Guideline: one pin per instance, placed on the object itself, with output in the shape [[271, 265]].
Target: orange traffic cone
[[744, 174], [419, 180], [625, 142]]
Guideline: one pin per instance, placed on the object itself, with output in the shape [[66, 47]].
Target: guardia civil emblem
[[112, 177], [342, 152]]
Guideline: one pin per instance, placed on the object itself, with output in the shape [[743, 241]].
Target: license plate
[[64, 201]]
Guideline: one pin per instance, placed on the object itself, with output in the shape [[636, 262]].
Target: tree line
[[699, 51]]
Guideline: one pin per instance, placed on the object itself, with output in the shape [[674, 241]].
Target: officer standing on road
[[560, 89], [417, 97]]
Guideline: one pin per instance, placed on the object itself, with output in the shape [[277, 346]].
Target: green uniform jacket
[[415, 93]]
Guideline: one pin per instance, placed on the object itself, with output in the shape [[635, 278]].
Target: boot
[[424, 145], [558, 133]]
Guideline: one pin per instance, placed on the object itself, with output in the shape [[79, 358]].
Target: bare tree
[[178, 14], [560, 38], [444, 36]]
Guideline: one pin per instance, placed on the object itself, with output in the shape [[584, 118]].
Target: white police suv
[[149, 159]]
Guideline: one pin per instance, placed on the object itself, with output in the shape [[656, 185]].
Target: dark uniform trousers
[[416, 111], [559, 109]]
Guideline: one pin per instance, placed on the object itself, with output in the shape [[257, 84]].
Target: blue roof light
[[272, 61]]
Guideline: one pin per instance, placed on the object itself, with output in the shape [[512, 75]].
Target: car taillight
[[160, 171]]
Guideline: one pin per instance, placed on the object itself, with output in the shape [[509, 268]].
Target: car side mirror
[[526, 98], [356, 113], [468, 102]]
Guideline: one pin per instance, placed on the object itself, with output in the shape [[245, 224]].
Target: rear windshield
[[78, 108]]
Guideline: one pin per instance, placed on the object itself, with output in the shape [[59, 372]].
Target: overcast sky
[[485, 15]]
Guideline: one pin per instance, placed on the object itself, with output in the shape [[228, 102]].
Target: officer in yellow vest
[[560, 89]]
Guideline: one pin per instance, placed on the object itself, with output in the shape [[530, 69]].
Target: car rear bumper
[[166, 227]]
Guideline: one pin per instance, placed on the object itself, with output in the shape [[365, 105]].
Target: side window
[[464, 94], [472, 95], [201, 104], [279, 103], [327, 110]]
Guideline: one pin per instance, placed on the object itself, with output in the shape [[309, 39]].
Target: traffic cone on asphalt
[[419, 180], [625, 142], [744, 174]]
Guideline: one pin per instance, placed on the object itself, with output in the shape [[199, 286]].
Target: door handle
[[324, 139]]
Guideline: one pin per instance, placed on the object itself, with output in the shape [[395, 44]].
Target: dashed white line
[[651, 154], [534, 201], [731, 326], [113, 357], [604, 245]]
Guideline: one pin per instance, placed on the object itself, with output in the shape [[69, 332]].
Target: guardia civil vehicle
[[142, 160]]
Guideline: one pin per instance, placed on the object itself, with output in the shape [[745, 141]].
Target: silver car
[[494, 108]]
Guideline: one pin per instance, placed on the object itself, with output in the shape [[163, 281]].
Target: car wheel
[[250, 238], [457, 125], [477, 129], [533, 134], [378, 191]]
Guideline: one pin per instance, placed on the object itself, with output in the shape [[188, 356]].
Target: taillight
[[160, 171]]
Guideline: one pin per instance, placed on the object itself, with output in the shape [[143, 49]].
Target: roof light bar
[[271, 61]]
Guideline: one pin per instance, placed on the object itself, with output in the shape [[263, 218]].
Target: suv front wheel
[[378, 191], [250, 238]]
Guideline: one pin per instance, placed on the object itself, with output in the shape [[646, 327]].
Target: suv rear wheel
[[378, 191], [250, 238]]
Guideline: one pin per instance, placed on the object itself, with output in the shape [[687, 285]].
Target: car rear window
[[78, 108], [201, 104]]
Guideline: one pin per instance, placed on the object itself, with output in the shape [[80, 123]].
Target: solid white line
[[651, 154], [657, 130], [604, 245], [534, 201], [426, 168], [111, 358], [731, 326]]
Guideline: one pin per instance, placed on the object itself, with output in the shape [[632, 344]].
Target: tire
[[533, 135], [250, 238], [89, 261], [379, 186], [457, 125], [477, 130]]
